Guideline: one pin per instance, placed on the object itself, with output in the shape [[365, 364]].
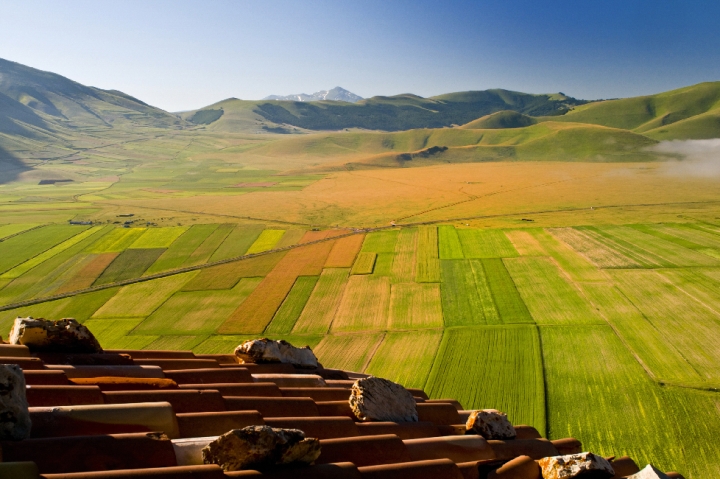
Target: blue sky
[[182, 55]]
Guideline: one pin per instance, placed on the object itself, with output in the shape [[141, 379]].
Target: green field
[[499, 359]]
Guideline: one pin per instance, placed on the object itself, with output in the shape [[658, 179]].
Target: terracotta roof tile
[[364, 450], [243, 389], [134, 414], [202, 424], [182, 400], [210, 375]]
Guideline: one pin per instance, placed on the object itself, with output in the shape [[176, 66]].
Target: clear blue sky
[[182, 55]]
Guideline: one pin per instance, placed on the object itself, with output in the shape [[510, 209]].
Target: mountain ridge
[[334, 94]]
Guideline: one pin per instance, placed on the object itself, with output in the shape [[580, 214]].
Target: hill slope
[[685, 113], [32, 100], [553, 141], [501, 119]]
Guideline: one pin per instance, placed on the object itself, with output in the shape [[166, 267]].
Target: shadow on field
[[10, 167]]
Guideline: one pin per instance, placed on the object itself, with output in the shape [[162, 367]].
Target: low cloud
[[691, 157]]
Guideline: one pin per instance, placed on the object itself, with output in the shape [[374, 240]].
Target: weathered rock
[[490, 424], [585, 465], [63, 336], [14, 416], [649, 473], [268, 351], [259, 447], [377, 399]]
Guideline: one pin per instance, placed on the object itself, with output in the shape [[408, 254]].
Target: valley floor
[[579, 298]]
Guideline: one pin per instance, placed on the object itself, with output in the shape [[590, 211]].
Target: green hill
[[35, 103], [500, 120], [546, 141], [690, 112]]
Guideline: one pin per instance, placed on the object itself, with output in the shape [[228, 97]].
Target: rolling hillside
[[39, 106], [553, 141], [687, 113]]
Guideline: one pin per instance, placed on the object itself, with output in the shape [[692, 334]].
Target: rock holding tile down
[[268, 351], [490, 424], [377, 399], [63, 336], [585, 465], [260, 447], [14, 416], [649, 473]]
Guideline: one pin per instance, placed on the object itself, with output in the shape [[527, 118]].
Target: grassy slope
[[690, 112]]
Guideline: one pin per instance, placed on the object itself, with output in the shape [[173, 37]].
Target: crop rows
[[380, 242], [225, 276], [289, 312], [266, 241], [577, 267], [492, 367], [406, 358], [158, 237], [180, 250], [256, 312], [23, 268], [658, 356], [550, 297], [449, 243], [427, 268], [131, 263], [319, 312], [403, 267], [345, 251], [197, 312], [237, 242], [686, 323], [19, 249], [415, 306], [625, 411], [461, 302], [364, 305], [141, 299], [117, 240], [485, 244], [600, 255], [348, 351], [364, 264]]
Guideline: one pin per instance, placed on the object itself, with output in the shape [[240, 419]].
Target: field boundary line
[[356, 231], [21, 232]]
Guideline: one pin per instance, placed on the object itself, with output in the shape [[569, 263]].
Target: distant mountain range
[[336, 94], [42, 114]]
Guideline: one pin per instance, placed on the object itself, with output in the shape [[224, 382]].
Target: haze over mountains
[[336, 94]]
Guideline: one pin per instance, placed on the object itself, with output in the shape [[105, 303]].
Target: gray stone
[[268, 351], [260, 447], [490, 424], [63, 336], [14, 415], [649, 473], [585, 465], [377, 399]]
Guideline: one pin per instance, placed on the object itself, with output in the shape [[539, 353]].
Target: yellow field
[[618, 192]]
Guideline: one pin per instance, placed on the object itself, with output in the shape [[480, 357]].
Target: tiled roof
[[147, 414]]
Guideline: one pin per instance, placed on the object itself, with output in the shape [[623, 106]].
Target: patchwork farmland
[[531, 321]]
